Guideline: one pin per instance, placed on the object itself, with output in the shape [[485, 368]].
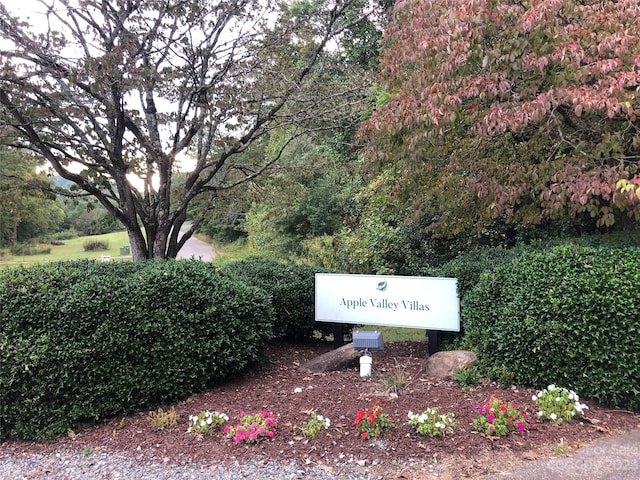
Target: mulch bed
[[338, 396]]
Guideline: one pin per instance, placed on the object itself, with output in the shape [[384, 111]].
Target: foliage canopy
[[518, 110]]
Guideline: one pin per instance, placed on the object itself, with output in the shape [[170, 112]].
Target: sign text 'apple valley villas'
[[430, 303], [384, 304]]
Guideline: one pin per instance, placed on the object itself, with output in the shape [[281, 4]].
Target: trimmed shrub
[[468, 267], [81, 341], [95, 245], [568, 315], [292, 291]]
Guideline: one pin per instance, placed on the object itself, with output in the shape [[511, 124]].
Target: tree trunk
[[138, 246]]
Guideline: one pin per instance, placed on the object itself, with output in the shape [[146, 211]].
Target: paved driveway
[[195, 248]]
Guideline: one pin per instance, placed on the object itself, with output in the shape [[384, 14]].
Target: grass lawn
[[396, 334], [73, 250]]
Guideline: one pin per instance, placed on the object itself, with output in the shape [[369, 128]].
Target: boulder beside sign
[[429, 303]]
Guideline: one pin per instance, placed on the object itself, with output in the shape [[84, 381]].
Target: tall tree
[[27, 206], [114, 90], [519, 110]]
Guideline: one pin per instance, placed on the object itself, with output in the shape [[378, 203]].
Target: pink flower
[[520, 426], [270, 434], [491, 418]]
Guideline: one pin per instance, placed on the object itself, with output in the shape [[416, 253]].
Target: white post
[[365, 365]]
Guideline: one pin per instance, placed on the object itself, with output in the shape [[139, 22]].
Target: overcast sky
[[26, 8]]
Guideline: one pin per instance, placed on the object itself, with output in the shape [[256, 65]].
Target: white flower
[[534, 398], [553, 416], [327, 423], [297, 390], [410, 415], [551, 387], [580, 407], [558, 399], [540, 413], [319, 418]]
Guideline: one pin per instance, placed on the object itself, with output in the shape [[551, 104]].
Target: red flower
[[364, 435], [372, 419]]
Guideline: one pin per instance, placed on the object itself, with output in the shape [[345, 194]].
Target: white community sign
[[429, 303]]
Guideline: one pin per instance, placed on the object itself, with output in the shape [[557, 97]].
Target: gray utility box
[[368, 341]]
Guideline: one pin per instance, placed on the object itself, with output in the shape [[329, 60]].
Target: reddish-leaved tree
[[521, 109]]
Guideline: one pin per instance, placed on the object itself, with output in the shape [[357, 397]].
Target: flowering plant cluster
[[206, 422], [253, 427], [312, 427], [372, 422], [432, 423], [557, 404], [497, 418]]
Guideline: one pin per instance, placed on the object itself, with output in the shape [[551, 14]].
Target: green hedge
[[468, 267], [568, 315], [292, 291], [80, 341]]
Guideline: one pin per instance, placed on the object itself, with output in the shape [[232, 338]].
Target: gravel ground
[[103, 466]]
